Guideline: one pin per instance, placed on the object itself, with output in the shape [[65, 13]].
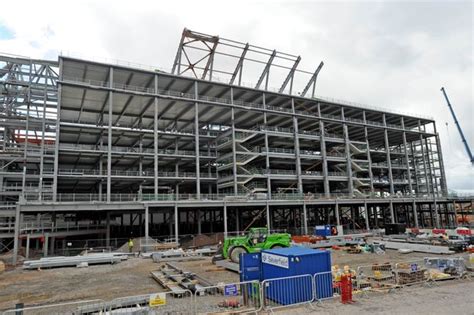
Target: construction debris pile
[[174, 279], [435, 241]]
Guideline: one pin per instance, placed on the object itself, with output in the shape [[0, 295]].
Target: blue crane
[[466, 145]]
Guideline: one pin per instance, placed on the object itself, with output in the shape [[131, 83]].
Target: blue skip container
[[295, 262]]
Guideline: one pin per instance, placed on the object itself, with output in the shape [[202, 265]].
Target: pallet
[[409, 277]]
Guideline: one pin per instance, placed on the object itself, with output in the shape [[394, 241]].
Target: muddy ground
[[132, 277]]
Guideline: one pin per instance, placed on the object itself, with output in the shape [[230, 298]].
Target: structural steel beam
[[239, 67], [266, 72], [290, 76], [312, 81]]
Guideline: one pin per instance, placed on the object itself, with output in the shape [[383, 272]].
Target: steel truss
[[203, 64]]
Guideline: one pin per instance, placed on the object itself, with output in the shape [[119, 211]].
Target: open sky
[[393, 54]]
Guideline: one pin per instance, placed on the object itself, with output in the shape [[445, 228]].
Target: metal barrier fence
[[470, 266], [411, 272], [448, 268], [176, 302], [59, 308], [376, 277], [325, 287], [239, 297], [287, 291]]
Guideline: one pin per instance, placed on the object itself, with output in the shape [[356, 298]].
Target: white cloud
[[396, 54]]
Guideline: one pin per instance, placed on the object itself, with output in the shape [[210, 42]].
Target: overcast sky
[[394, 54]]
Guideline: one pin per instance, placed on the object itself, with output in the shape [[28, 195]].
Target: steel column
[[392, 213], [338, 220], [269, 226], [107, 233], [234, 156], [199, 221], [176, 223], [16, 234], [27, 131], [27, 251], [225, 220], [297, 148], [415, 213], [425, 169], [43, 128], [267, 156], [109, 137], [369, 157], [405, 147], [444, 186], [434, 187], [367, 225], [350, 184], [155, 138], [305, 219], [45, 244], [436, 214], [196, 140], [58, 128], [389, 159], [324, 155], [147, 226]]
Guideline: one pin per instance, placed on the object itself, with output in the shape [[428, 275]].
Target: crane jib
[[466, 145]]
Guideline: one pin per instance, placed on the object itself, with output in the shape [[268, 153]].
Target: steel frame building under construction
[[90, 146]]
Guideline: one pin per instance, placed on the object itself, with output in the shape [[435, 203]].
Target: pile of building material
[[175, 280], [181, 255], [7, 257], [411, 273], [346, 240], [201, 240], [422, 248], [75, 261]]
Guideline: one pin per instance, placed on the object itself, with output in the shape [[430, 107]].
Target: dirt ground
[[32, 287], [132, 277], [341, 258], [446, 297]]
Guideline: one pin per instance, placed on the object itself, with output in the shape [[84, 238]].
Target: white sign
[[275, 260]]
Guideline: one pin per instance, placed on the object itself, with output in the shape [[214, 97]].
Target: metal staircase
[[225, 139]]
